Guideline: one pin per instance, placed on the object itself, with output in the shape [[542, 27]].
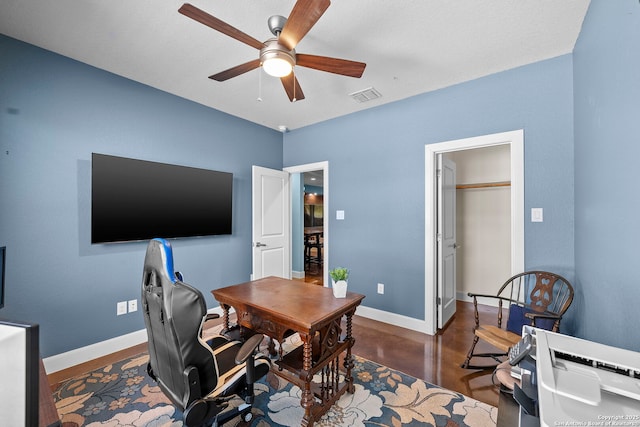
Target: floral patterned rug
[[122, 394]]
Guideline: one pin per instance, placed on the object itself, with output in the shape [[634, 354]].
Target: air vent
[[365, 95]]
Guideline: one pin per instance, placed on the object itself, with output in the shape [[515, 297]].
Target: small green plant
[[339, 273]]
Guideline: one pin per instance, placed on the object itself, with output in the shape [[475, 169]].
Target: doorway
[[516, 141], [313, 209], [310, 225]]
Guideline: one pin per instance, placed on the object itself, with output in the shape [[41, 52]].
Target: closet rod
[[484, 185]]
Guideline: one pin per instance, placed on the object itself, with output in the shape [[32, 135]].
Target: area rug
[[122, 394]]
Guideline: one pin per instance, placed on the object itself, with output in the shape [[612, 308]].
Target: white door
[[446, 239], [271, 215]]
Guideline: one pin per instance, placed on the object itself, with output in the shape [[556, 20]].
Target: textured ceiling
[[410, 47]]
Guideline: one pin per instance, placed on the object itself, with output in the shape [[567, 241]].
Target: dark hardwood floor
[[313, 274], [435, 359]]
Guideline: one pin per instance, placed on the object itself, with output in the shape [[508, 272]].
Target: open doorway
[[313, 208], [483, 219], [310, 228], [515, 140]]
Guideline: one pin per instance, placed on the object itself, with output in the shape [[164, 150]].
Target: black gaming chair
[[199, 378]]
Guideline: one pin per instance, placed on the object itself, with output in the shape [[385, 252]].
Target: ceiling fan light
[[276, 60], [277, 65]]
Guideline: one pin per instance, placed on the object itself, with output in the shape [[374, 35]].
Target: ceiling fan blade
[[331, 65], [218, 25], [236, 71], [292, 87], [304, 15]]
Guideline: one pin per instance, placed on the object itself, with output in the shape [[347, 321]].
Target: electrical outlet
[[381, 288], [133, 305], [121, 308]]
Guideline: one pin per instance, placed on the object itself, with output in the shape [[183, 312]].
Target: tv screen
[[139, 200]]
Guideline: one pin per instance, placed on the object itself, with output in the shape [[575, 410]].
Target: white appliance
[[585, 383]]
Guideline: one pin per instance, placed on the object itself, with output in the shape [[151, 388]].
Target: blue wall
[[377, 174], [607, 149], [54, 112]]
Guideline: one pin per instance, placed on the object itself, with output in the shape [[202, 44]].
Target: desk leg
[[225, 318], [307, 400], [348, 360]]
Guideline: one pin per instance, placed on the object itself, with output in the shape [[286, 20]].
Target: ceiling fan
[[277, 55]]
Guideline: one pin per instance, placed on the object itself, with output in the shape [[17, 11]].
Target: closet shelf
[[483, 185]]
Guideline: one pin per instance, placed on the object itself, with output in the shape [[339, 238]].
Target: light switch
[[536, 215], [340, 215]]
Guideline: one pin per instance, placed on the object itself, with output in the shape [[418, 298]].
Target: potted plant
[[339, 277]]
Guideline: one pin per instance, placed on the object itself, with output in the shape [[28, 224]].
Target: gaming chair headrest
[[159, 259]]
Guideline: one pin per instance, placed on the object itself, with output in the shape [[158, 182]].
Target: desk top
[[301, 304]]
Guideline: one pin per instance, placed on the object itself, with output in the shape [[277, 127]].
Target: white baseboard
[[297, 274], [71, 358], [462, 296], [392, 319], [80, 355]]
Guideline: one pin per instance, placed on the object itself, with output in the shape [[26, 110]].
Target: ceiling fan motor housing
[[275, 51]]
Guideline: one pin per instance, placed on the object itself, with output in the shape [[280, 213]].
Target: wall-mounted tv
[[135, 200]]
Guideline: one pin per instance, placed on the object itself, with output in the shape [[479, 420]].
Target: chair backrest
[[174, 313], [539, 292]]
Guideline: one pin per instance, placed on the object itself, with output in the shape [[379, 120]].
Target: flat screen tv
[[134, 200]]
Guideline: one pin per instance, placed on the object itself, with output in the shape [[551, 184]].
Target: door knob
[[258, 244]]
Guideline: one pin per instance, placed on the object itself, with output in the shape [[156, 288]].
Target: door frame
[[516, 140], [310, 167]]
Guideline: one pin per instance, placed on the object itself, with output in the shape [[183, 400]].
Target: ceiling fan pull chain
[[260, 86], [293, 72]]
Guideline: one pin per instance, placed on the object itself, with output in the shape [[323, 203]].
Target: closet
[[483, 219]]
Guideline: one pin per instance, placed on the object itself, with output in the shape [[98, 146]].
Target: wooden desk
[[313, 230], [278, 307]]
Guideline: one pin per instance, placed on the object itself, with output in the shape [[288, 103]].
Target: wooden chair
[[313, 243], [536, 298]]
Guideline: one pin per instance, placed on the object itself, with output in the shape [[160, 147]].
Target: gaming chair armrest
[[248, 348], [192, 383], [211, 316]]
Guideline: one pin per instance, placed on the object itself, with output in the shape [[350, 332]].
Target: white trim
[[392, 318], [81, 355], [310, 167], [298, 274], [516, 141]]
